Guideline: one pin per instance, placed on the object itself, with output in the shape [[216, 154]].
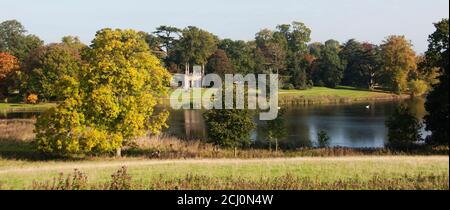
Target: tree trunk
[[235, 152], [119, 152], [276, 145]]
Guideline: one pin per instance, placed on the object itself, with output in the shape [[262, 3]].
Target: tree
[[437, 56], [47, 65], [73, 42], [113, 101], [300, 80], [154, 44], [196, 45], [240, 54], [14, 40], [328, 69], [399, 60], [219, 64], [323, 140], [403, 129], [168, 35], [9, 65], [272, 47], [229, 128], [362, 63], [418, 87], [276, 129]]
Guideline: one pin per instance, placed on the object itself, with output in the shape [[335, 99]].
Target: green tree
[[276, 129], [362, 63], [437, 56], [154, 44], [73, 42], [328, 69], [229, 128], [195, 46], [296, 36], [323, 139], [46, 66], [272, 48], [219, 64], [167, 35], [113, 101], [399, 59], [403, 129], [240, 54], [13, 39]]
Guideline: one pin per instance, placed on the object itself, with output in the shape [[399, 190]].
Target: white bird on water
[[368, 107]]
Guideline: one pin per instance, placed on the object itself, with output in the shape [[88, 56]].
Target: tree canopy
[[437, 56], [9, 65], [112, 103], [399, 60], [15, 41]]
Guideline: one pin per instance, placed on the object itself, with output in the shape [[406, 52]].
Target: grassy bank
[[170, 163], [316, 95], [323, 95], [17, 136], [391, 172], [16, 107]]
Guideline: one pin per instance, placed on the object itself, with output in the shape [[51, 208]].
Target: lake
[[348, 125]]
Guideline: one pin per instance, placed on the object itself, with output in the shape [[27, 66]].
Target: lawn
[[340, 94], [16, 107], [20, 174], [341, 91], [316, 95]]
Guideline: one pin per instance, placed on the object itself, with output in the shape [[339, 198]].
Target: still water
[[348, 125]]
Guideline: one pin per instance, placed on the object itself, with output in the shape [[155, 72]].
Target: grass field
[[341, 94], [178, 173], [341, 91], [16, 107]]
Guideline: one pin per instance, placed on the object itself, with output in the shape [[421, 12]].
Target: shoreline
[[314, 96]]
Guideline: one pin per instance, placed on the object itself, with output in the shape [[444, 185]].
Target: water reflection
[[348, 125]]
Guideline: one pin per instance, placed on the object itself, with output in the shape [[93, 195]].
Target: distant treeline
[[30, 67]]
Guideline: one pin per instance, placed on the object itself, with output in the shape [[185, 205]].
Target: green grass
[[340, 94], [21, 174], [340, 91], [16, 107], [316, 95]]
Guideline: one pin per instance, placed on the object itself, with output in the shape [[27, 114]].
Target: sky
[[365, 20]]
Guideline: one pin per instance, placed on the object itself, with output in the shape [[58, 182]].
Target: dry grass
[[122, 180], [167, 147], [17, 129]]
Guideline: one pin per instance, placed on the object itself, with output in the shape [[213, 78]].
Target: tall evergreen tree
[[437, 121]]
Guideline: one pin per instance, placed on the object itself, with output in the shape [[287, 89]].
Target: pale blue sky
[[365, 20]]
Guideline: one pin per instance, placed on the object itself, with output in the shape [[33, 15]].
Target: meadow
[[340, 94], [388, 172]]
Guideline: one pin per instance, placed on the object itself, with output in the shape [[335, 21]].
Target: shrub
[[289, 86], [404, 129], [32, 99], [121, 180], [418, 87], [77, 181], [323, 139]]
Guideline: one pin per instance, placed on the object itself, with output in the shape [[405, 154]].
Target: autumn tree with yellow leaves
[[399, 59], [111, 103]]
